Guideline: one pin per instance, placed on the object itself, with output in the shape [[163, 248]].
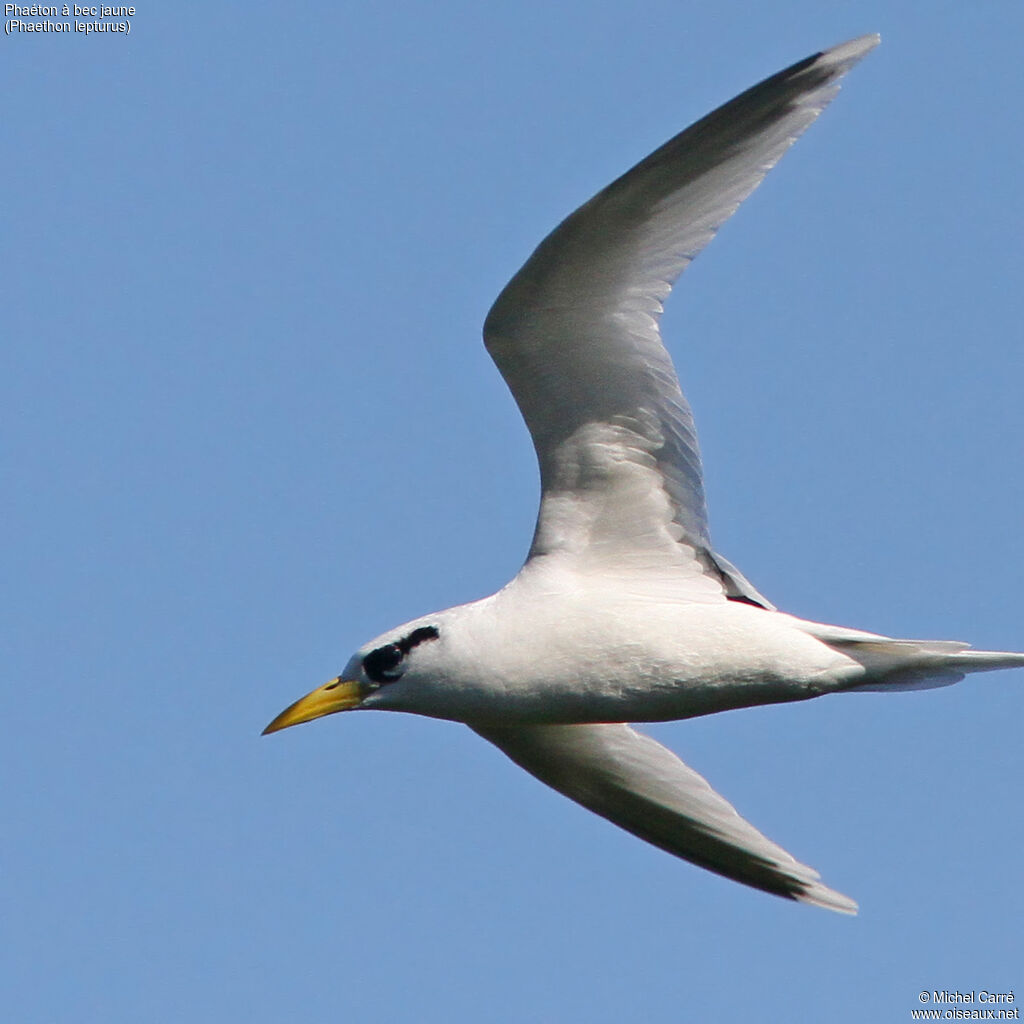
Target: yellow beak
[[337, 695]]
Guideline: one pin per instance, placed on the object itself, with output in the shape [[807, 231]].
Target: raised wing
[[575, 335], [644, 788]]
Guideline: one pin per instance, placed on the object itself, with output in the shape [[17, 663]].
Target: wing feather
[[575, 335], [644, 788]]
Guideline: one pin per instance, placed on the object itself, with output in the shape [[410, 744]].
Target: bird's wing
[[644, 788], [575, 335]]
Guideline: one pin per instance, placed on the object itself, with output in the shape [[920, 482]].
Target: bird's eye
[[381, 665]]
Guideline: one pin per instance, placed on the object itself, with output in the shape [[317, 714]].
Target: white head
[[386, 673]]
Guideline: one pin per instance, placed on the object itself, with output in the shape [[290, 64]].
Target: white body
[[557, 651]]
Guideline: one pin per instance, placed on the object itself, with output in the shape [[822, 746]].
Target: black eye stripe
[[381, 664], [417, 636]]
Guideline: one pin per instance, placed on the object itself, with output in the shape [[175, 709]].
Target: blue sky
[[249, 424]]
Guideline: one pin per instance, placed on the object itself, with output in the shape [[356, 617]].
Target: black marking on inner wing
[[744, 600], [417, 636]]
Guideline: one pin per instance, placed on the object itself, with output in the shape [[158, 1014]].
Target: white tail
[[918, 664]]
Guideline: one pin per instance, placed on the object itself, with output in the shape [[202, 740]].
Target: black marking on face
[[383, 665], [380, 664], [417, 636]]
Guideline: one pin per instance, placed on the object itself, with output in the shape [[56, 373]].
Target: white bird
[[623, 612]]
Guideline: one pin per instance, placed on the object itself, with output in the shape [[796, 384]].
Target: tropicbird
[[623, 612]]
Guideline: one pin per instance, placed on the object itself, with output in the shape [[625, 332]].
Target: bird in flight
[[623, 611]]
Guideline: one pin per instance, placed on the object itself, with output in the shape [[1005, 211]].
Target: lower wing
[[644, 788]]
